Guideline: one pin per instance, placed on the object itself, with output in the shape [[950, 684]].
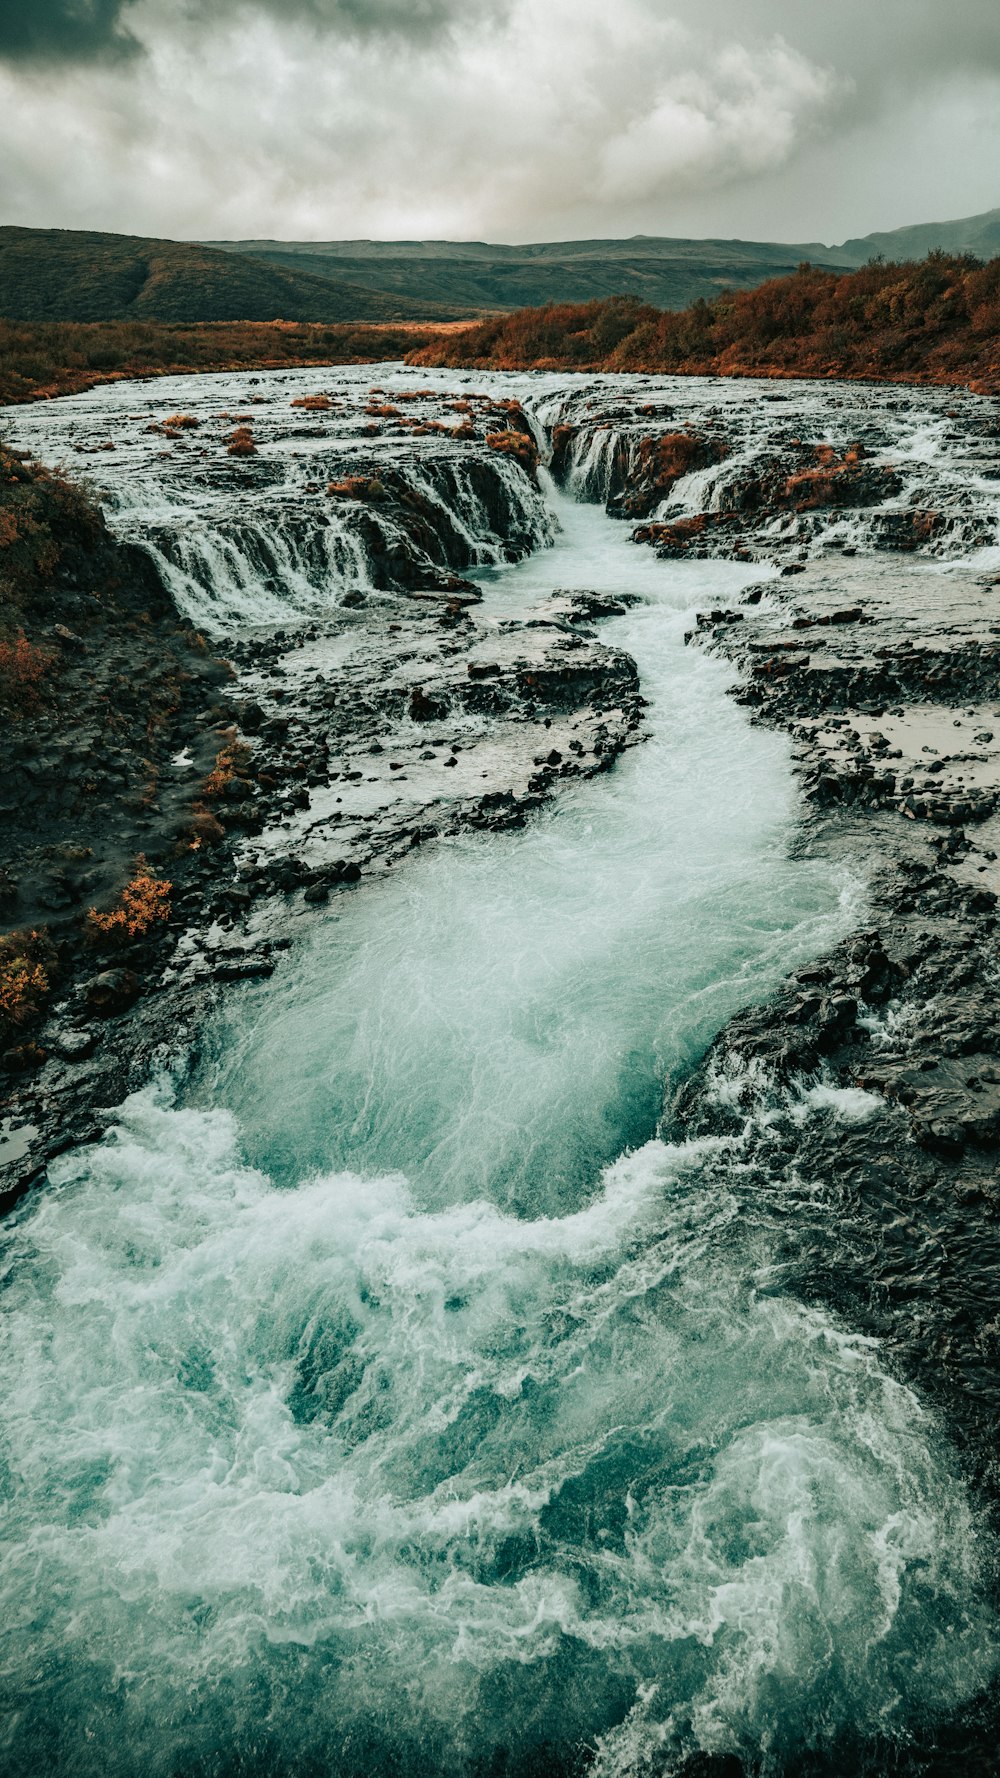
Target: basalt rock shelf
[[536, 1311], [886, 677]]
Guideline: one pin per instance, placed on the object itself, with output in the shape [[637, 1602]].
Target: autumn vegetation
[[231, 762], [934, 321], [42, 359], [23, 667], [144, 903], [27, 964], [241, 442]]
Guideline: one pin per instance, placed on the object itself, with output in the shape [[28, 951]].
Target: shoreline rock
[[864, 1096]]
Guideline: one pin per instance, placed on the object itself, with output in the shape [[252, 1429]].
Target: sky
[[503, 120]]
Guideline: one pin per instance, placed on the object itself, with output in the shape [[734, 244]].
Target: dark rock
[[112, 992], [425, 709]]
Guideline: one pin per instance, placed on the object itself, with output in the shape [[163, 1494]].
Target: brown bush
[[143, 904], [933, 321], [314, 403], [355, 487], [205, 829], [519, 445], [27, 961], [182, 422], [241, 442], [23, 666], [677, 535]]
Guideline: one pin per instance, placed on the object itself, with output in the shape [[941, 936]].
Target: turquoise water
[[500, 1020], [390, 1399]]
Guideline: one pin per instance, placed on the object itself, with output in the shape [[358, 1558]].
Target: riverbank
[[932, 322], [40, 360], [886, 677]]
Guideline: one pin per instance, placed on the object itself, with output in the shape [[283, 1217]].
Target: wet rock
[[112, 991], [425, 709], [74, 1045]]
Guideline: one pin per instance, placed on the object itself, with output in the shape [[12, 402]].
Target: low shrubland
[[45, 358], [934, 321]]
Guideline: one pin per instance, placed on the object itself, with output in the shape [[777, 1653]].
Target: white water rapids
[[389, 1399]]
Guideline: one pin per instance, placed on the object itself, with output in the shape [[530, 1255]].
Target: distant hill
[[971, 234], [477, 276], [670, 273], [71, 275]]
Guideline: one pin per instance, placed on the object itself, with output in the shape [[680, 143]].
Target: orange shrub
[[144, 903], [182, 422], [515, 444], [23, 666], [26, 960], [229, 762], [355, 487], [242, 443], [315, 403]]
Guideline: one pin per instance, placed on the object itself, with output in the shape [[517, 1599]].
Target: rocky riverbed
[[886, 677]]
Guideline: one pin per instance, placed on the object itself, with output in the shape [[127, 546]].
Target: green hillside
[[466, 276], [71, 275], [971, 234], [669, 273]]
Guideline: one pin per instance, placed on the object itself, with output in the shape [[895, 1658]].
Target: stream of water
[[386, 1397]]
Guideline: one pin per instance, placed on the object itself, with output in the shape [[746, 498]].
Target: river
[[384, 1395]]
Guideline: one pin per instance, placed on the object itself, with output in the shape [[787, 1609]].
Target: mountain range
[[75, 275]]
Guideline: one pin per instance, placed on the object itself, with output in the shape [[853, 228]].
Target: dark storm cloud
[[39, 31], [417, 19], [63, 30]]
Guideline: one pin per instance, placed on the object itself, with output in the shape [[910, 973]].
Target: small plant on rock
[[144, 903], [205, 829], [23, 666], [241, 442], [230, 762], [26, 963]]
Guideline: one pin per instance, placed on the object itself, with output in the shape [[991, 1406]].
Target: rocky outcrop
[[864, 1098]]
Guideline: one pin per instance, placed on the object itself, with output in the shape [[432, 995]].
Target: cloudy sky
[[498, 119]]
